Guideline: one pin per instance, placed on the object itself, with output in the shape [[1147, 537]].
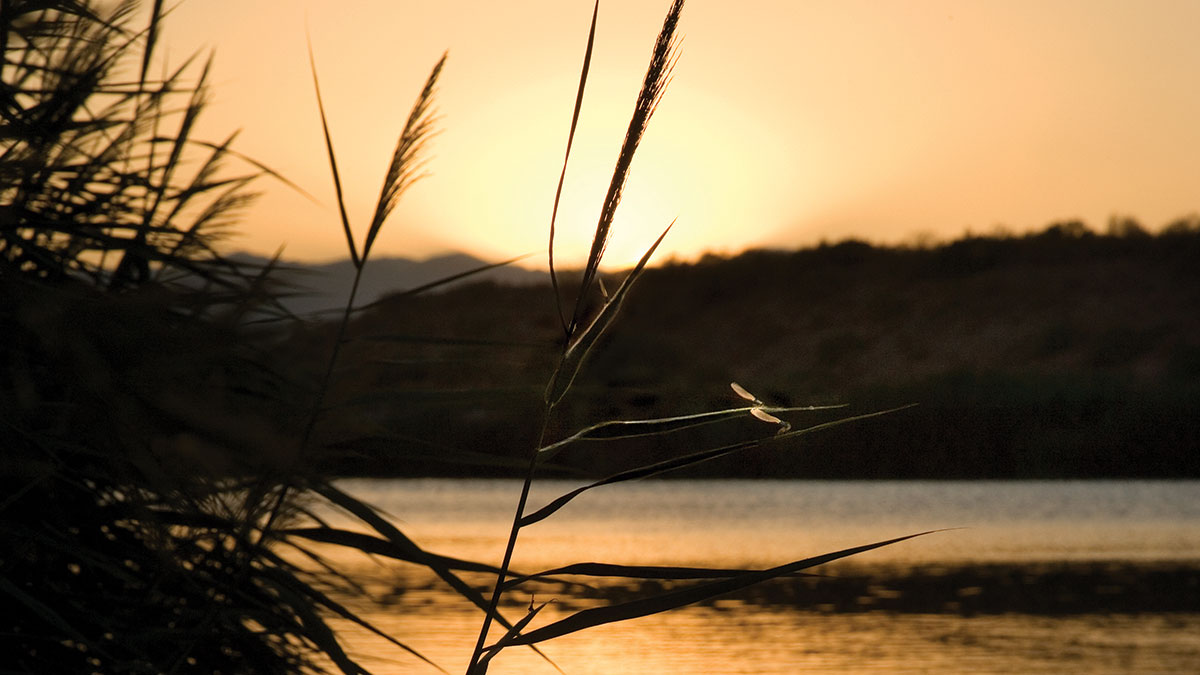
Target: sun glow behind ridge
[[786, 123], [683, 169]]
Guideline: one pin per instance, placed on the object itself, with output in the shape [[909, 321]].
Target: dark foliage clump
[[141, 424]]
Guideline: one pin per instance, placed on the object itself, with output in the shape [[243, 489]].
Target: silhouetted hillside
[[1064, 353], [317, 287]]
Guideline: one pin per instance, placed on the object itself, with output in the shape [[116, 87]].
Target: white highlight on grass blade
[[741, 391]]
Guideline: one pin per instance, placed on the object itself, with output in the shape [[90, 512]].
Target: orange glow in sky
[[786, 123]]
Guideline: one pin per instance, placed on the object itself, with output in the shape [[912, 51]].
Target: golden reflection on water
[[1061, 590], [719, 640], [770, 638]]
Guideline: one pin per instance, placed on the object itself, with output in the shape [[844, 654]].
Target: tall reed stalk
[[402, 172], [581, 335], [574, 351]]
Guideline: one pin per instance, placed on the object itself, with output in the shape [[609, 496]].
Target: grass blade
[[441, 282], [314, 626], [578, 350], [622, 429], [507, 639], [370, 517], [634, 609], [151, 41], [306, 596], [402, 446], [608, 570], [267, 170], [337, 179], [449, 341], [385, 547], [371, 545], [688, 460], [587, 61], [43, 611]]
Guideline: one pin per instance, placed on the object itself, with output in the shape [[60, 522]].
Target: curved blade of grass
[[450, 341], [180, 139], [687, 596], [384, 547], [151, 41], [256, 164], [424, 398], [587, 61], [404, 446], [256, 287], [337, 179], [326, 566], [372, 545], [391, 297], [389, 531], [622, 429], [573, 358], [688, 460], [609, 570], [507, 639], [134, 267], [307, 595], [315, 627], [46, 613]]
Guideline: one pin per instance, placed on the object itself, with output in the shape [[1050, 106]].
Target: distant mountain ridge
[[317, 287]]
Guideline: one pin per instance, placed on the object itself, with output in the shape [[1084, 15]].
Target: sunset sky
[[787, 122]]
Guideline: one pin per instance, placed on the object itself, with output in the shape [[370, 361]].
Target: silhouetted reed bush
[[136, 402]]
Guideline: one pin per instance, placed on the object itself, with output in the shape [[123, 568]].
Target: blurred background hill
[[1065, 353], [308, 288]]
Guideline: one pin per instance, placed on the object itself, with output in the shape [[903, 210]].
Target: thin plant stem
[[513, 532], [657, 77], [319, 403], [562, 176]]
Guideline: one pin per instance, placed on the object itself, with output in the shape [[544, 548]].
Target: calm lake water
[[1095, 576]]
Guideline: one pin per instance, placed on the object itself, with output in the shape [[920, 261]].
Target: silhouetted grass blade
[[625, 429], [634, 609], [152, 31], [583, 75], [385, 547], [398, 447], [314, 626], [450, 341], [581, 345], [608, 570], [44, 611], [686, 461], [241, 157], [508, 638], [389, 531], [308, 595], [440, 282], [337, 179]]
